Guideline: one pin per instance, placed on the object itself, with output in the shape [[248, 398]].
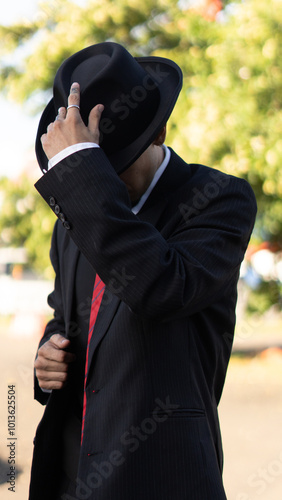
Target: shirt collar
[[156, 177]]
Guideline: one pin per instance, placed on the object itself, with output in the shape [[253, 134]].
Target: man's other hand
[[69, 128], [52, 362]]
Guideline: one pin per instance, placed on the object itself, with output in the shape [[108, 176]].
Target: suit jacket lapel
[[174, 176]]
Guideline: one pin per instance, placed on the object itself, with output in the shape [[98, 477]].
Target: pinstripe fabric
[[163, 336]]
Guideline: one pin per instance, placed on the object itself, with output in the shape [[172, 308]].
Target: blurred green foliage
[[229, 112], [26, 221], [262, 298]]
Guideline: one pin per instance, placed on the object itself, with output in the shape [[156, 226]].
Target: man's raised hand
[[69, 128]]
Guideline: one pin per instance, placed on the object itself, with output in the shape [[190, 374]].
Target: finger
[[43, 139], [60, 341], [74, 97], [50, 127], [49, 353], [53, 350], [44, 376], [62, 113], [44, 364], [50, 386], [94, 119], [53, 383]]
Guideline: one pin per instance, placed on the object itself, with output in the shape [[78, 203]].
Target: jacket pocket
[[180, 413]]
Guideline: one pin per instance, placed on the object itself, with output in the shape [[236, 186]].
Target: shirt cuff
[[69, 151]]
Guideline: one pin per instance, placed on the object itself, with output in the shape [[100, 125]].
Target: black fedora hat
[[138, 95]]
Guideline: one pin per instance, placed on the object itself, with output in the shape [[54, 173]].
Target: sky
[[17, 128]]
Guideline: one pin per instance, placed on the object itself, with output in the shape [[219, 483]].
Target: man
[[131, 407]]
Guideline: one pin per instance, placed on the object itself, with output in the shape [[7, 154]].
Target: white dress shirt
[[85, 145]]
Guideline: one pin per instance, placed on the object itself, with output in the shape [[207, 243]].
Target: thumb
[[94, 120], [60, 341]]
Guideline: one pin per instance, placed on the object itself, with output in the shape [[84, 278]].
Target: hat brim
[[169, 82]]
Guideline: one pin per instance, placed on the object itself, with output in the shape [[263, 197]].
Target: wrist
[[69, 151]]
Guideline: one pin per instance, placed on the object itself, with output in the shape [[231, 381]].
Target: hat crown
[[109, 75], [138, 95]]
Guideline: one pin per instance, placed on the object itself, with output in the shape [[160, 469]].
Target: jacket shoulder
[[209, 183]]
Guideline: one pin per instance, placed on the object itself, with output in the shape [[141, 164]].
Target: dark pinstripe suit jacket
[[163, 336]]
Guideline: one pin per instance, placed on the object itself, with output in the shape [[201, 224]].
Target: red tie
[[97, 296]]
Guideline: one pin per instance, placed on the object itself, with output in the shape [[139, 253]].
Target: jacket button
[[66, 225], [62, 217], [52, 201], [57, 209]]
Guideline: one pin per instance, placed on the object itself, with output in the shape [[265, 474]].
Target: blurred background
[[228, 116]]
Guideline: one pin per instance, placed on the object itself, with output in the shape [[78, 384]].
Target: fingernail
[[74, 84], [101, 108]]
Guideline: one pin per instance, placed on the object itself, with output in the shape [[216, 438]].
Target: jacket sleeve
[[56, 324], [160, 277]]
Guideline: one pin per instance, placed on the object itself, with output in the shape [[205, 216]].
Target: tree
[[232, 91], [26, 221]]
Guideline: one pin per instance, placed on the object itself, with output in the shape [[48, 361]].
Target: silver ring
[[73, 106]]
